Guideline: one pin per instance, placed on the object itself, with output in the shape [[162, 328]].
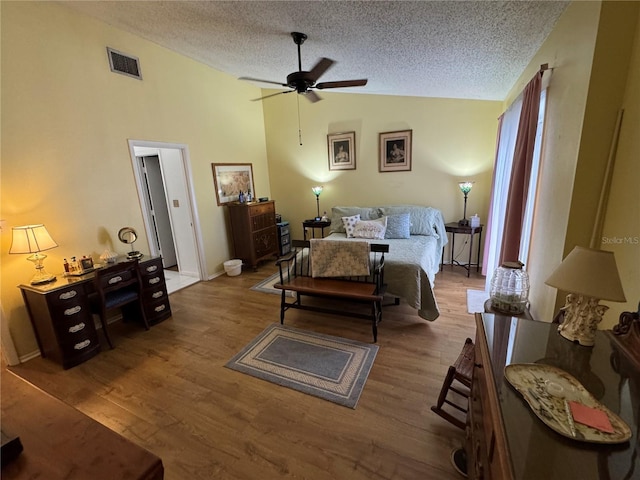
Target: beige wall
[[453, 140], [66, 119], [621, 232]]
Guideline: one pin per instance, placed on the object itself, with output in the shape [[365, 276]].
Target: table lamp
[[33, 239], [465, 188], [589, 275], [317, 190]]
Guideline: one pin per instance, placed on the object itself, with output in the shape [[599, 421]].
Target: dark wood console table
[[61, 442], [60, 312], [505, 438]]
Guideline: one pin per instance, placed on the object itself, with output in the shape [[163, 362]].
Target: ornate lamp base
[[41, 275], [582, 315]]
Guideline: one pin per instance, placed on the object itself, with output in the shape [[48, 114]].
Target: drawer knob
[[160, 308], [76, 328], [68, 295], [72, 311], [152, 268], [158, 294], [81, 345], [154, 280], [114, 280]]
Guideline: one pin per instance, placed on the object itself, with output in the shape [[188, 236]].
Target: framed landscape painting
[[342, 151], [232, 178], [395, 151]]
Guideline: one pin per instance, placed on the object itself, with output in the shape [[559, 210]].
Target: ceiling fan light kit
[[303, 82]]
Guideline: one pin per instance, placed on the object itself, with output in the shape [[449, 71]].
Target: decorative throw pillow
[[422, 218], [398, 226], [371, 228], [349, 224], [366, 213]]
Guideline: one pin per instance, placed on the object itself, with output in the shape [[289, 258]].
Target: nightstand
[[313, 224], [455, 228]]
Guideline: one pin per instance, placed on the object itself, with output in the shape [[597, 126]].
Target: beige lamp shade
[[31, 239], [589, 272]]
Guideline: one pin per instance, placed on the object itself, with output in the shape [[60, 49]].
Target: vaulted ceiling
[[449, 49]]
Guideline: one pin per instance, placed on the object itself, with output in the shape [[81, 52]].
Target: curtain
[[508, 128], [521, 170]]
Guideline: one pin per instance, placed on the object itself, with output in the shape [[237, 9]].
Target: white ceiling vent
[[124, 64]]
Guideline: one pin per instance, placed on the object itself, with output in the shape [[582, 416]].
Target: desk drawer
[[157, 311], [151, 267], [154, 293]]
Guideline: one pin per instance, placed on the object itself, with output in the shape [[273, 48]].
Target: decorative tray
[[550, 391]]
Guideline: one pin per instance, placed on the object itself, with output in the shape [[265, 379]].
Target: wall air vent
[[124, 64]]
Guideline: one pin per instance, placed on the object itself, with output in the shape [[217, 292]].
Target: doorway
[[163, 179]]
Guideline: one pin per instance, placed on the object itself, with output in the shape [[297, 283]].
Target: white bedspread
[[410, 269]]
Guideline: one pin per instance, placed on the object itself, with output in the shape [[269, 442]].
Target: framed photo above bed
[[342, 151], [232, 178], [395, 151]]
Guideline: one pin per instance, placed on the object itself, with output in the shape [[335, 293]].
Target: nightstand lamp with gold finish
[[33, 239]]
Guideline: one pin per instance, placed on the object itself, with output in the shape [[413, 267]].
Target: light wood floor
[[167, 389]]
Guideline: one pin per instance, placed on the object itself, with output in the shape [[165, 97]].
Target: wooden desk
[[505, 438], [62, 443], [453, 228], [60, 312]]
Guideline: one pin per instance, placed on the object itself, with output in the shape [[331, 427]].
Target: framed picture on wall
[[342, 151], [395, 151], [232, 178]]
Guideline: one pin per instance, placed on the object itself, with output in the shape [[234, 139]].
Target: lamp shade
[[317, 190], [31, 239], [465, 187], [589, 272]]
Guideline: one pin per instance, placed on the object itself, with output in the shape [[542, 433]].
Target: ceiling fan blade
[[312, 96], [250, 79], [342, 83], [322, 66], [272, 95]]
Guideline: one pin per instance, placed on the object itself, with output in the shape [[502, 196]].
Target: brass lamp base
[[582, 315]]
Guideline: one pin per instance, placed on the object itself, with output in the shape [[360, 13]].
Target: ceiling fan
[[304, 82]]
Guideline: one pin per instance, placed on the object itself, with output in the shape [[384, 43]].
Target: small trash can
[[233, 267]]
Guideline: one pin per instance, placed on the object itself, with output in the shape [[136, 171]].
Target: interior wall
[[66, 121], [453, 140], [621, 230]]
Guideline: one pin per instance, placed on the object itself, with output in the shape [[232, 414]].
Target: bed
[[415, 235]]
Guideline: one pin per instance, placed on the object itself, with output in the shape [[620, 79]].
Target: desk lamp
[[33, 239], [589, 276], [317, 191], [465, 187]]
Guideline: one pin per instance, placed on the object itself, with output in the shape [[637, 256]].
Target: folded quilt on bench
[[331, 258]]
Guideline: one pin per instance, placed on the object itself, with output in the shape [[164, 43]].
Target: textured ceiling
[[450, 49]]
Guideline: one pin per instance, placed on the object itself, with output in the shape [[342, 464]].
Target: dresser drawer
[[262, 209], [151, 267], [154, 293], [265, 241]]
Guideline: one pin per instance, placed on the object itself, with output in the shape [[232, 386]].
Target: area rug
[[325, 366], [475, 300], [266, 286]]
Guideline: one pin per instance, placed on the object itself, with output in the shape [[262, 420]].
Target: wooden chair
[[460, 371], [118, 286]]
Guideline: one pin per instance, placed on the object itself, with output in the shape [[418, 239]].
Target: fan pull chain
[[299, 129]]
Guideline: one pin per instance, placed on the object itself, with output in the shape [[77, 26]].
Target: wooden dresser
[[253, 227], [505, 439]]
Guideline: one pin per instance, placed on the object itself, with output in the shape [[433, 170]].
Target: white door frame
[[186, 163]]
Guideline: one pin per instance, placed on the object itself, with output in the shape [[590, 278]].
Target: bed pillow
[[398, 226], [421, 218], [371, 228], [337, 213], [349, 224]]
